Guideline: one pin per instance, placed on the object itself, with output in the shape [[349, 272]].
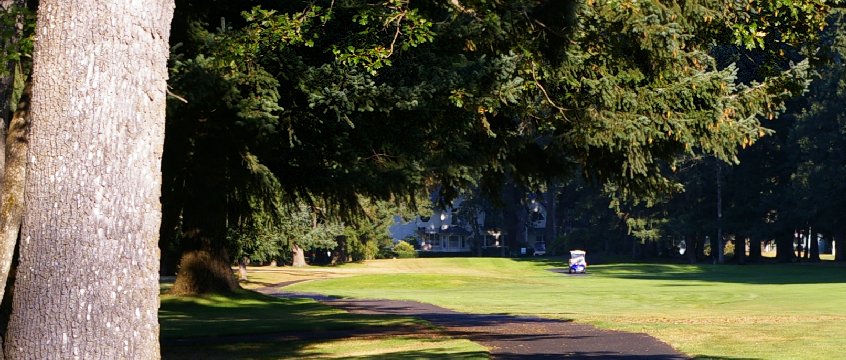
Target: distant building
[[445, 231]]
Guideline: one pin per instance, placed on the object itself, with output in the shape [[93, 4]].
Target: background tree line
[[783, 187], [313, 109], [321, 105]]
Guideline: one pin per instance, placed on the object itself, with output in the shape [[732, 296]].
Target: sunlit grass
[[756, 311]]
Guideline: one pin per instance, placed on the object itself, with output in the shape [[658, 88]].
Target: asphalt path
[[512, 337]]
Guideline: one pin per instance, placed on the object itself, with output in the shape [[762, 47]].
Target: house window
[[454, 241], [434, 240], [537, 217], [490, 241], [539, 239]]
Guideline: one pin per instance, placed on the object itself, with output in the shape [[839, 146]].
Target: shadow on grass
[[428, 312], [249, 325], [247, 312], [584, 355], [306, 350], [826, 272], [710, 357]]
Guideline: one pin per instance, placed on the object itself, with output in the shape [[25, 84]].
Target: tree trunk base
[[200, 273], [299, 257]]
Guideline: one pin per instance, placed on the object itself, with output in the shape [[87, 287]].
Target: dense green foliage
[[404, 250], [328, 102], [785, 185]]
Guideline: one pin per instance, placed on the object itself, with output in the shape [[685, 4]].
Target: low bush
[[405, 250]]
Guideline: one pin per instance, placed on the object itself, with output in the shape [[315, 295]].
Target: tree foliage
[[342, 99]]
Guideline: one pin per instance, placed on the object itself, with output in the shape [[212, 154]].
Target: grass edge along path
[[768, 311], [247, 324]]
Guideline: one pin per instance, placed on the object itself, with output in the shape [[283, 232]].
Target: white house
[[444, 232]]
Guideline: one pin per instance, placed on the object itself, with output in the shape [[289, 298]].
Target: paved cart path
[[512, 337]]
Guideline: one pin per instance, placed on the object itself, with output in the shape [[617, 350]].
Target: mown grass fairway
[[795, 311]]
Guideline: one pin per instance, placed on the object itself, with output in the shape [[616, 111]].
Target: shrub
[[405, 250], [371, 250], [385, 246], [356, 251], [559, 246]]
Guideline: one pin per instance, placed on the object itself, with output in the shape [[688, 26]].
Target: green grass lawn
[[794, 311], [246, 313]]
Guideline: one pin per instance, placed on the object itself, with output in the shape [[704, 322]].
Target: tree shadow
[[304, 350], [587, 355], [529, 337], [247, 312], [825, 272]]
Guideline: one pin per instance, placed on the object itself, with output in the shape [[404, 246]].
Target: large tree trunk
[[814, 250], [299, 256], [692, 246], [551, 230], [740, 249], [754, 250], [715, 246], [242, 268], [839, 247], [720, 242], [87, 284], [784, 247]]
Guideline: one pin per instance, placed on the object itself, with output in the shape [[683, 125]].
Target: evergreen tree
[[382, 98]]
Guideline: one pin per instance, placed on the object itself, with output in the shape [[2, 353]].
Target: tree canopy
[[336, 99]]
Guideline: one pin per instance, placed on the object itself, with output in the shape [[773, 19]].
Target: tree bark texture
[[12, 186], [87, 283]]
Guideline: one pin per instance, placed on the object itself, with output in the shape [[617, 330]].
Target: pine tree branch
[[545, 94]]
